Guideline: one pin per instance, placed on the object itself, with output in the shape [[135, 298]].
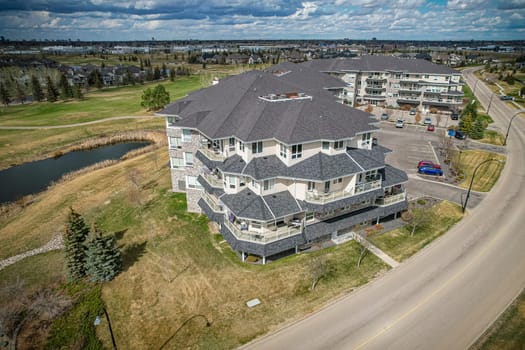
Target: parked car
[[384, 116], [460, 135], [412, 111], [428, 170], [427, 121], [454, 116], [400, 123], [506, 98], [428, 163], [431, 127]]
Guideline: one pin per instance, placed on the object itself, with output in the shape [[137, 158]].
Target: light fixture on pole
[[472, 180]]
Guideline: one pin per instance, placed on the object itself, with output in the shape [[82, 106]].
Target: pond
[[34, 177]]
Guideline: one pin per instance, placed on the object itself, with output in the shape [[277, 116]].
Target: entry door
[[327, 186]]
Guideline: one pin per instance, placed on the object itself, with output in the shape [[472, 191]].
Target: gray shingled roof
[[319, 167], [233, 108], [309, 79], [392, 176], [378, 63], [248, 205]]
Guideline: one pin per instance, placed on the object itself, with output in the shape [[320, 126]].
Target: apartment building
[[278, 163], [390, 81]]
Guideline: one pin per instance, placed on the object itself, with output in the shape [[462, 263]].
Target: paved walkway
[[13, 127], [375, 250], [54, 244]]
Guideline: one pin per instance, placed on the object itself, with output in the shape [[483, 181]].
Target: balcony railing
[[265, 236], [213, 180], [391, 199], [364, 144], [213, 154], [212, 202], [321, 198], [367, 186]]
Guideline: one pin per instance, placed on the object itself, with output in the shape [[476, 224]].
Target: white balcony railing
[[213, 154], [213, 180], [212, 202], [396, 198], [265, 236], [321, 198], [367, 186]]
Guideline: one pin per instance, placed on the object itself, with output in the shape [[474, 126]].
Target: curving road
[[445, 296]]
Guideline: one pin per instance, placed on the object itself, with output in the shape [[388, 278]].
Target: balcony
[[213, 202], [213, 154], [327, 197], [265, 235], [367, 186], [388, 200], [364, 144], [213, 180]]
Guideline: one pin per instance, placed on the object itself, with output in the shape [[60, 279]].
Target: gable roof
[[234, 108]]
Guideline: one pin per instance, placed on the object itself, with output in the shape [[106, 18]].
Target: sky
[[262, 19]]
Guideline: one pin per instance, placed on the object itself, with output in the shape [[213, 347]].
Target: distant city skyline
[[103, 20]]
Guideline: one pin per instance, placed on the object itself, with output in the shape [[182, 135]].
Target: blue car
[[429, 170]]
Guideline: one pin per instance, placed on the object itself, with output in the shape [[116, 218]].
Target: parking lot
[[411, 144]]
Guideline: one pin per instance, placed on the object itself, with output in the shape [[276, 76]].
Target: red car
[[428, 163], [431, 127]]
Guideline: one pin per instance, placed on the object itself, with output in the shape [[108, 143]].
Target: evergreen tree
[[173, 74], [20, 93], [77, 92], [95, 79], [4, 95], [164, 71], [156, 73], [477, 130], [38, 94], [52, 93], [75, 234], [65, 89], [103, 258]]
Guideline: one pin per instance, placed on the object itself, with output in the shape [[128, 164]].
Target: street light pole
[[490, 102], [472, 180], [208, 324], [510, 122]]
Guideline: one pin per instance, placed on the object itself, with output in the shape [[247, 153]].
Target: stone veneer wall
[[178, 176]]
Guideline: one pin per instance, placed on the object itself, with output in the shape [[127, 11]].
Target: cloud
[[269, 19]]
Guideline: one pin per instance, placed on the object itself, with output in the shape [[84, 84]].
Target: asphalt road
[[445, 296]]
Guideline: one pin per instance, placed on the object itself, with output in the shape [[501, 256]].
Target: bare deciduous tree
[[317, 268]]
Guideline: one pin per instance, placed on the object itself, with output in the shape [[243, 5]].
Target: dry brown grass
[[487, 174], [174, 267]]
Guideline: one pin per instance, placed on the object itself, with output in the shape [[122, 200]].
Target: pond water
[[34, 177]]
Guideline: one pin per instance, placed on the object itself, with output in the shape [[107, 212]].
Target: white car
[[427, 121], [400, 123]]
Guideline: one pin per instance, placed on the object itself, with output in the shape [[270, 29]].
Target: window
[[326, 145], [188, 158], [311, 186], [172, 121], [186, 135], [175, 142], [191, 182], [255, 184], [338, 181], [177, 163], [338, 144], [283, 150], [257, 147], [231, 143], [241, 146], [268, 184], [297, 151], [231, 181], [309, 216]]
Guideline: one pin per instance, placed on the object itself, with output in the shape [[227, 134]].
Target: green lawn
[[400, 245], [97, 104], [487, 174]]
